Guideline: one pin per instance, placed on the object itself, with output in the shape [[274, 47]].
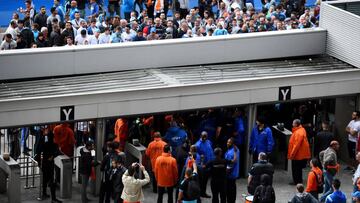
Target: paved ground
[[283, 191]]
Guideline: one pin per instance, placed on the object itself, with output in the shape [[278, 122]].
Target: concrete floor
[[283, 191]]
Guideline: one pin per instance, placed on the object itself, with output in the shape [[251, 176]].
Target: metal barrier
[[10, 169], [65, 165]]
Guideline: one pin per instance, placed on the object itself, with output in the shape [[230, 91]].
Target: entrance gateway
[[139, 92]]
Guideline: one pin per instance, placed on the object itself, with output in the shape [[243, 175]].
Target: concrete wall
[[55, 61], [343, 33]]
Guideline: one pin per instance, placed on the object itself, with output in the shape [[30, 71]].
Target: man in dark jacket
[[28, 36], [218, 176], [258, 169], [55, 38], [41, 17], [46, 151], [323, 138], [116, 178], [85, 165], [68, 32]]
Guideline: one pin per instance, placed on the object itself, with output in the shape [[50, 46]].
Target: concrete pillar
[[11, 169], [100, 138], [344, 107], [252, 111]]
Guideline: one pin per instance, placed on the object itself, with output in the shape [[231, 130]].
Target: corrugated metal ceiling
[[166, 77]]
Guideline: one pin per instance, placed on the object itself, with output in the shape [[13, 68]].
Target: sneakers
[[55, 201]]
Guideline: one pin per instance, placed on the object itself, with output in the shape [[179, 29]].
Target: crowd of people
[[184, 152], [69, 24]]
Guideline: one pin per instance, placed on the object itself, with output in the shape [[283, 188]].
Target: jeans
[[328, 178], [24, 137]]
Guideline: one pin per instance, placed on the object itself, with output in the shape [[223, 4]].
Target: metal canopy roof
[[173, 89], [165, 77]]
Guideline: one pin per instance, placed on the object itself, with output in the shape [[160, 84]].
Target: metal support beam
[[100, 138], [252, 111]]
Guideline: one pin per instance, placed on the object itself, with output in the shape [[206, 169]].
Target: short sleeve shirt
[[353, 125]]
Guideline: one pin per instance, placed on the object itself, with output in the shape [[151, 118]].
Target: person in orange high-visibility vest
[[121, 131], [154, 150], [166, 174], [298, 151]]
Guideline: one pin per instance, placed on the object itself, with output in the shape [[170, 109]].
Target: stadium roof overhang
[[173, 89]]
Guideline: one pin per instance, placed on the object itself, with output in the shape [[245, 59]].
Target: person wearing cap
[[204, 148], [86, 163], [153, 35], [261, 139], [8, 43], [330, 164]]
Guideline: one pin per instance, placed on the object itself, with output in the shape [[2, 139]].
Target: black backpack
[[319, 182], [264, 194], [193, 189]]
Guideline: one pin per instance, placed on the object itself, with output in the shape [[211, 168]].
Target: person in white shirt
[[94, 39], [127, 36], [82, 27], [353, 129], [11, 29], [357, 172], [69, 42], [77, 20], [104, 38], [8, 43], [82, 38]]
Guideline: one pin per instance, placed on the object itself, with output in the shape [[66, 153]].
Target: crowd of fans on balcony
[[69, 24]]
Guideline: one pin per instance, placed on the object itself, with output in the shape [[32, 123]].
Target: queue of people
[[70, 25]]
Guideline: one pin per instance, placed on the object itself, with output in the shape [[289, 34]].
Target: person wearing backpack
[[315, 183], [264, 193], [189, 191], [302, 197]]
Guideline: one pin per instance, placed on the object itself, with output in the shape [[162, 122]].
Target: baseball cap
[[153, 29]]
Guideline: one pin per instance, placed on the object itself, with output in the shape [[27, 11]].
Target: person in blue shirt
[[337, 196], [94, 9], [175, 136], [233, 156], [73, 10], [261, 139], [60, 10], [204, 148]]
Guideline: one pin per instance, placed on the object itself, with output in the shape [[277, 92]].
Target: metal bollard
[[27, 174], [41, 180]]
